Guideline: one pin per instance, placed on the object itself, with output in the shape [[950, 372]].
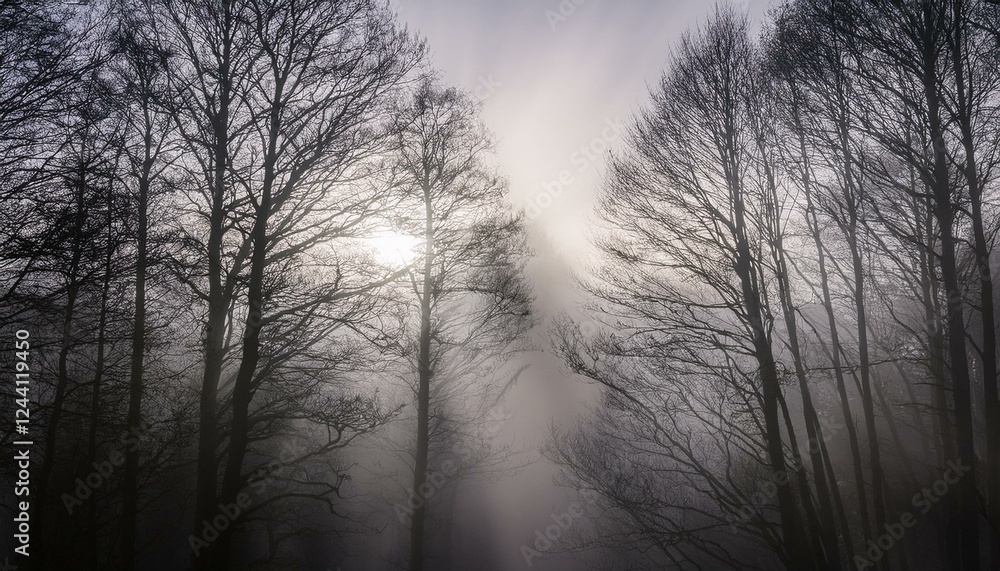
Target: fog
[[500, 285]]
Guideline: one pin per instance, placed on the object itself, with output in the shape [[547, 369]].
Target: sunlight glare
[[395, 248]]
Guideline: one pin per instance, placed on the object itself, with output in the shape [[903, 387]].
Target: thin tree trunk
[[95, 394], [817, 542], [95, 410], [208, 415], [944, 214], [62, 383], [130, 485], [942, 417], [767, 369], [988, 353], [852, 194], [838, 501], [243, 388], [867, 398], [424, 372], [219, 292], [828, 528], [845, 401]]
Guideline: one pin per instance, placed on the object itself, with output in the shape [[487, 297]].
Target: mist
[[560, 285]]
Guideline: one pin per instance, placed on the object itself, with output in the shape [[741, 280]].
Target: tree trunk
[[944, 213], [243, 388], [988, 354], [867, 399], [95, 410], [845, 401], [424, 374], [62, 383], [95, 394], [130, 485], [828, 528], [219, 292], [796, 551], [817, 540], [852, 199]]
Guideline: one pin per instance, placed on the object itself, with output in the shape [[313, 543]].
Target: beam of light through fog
[[555, 91]]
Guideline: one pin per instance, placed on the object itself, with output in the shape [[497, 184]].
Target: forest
[[265, 293]]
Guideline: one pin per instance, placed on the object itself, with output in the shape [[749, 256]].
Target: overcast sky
[[555, 83], [552, 85]]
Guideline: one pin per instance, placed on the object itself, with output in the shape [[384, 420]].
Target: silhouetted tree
[[472, 300]]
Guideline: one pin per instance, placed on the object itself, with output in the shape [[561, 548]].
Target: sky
[[555, 78], [558, 81]]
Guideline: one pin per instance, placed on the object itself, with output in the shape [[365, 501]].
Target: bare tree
[[280, 105], [689, 205], [472, 301]]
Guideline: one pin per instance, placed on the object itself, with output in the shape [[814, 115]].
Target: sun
[[394, 248]]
